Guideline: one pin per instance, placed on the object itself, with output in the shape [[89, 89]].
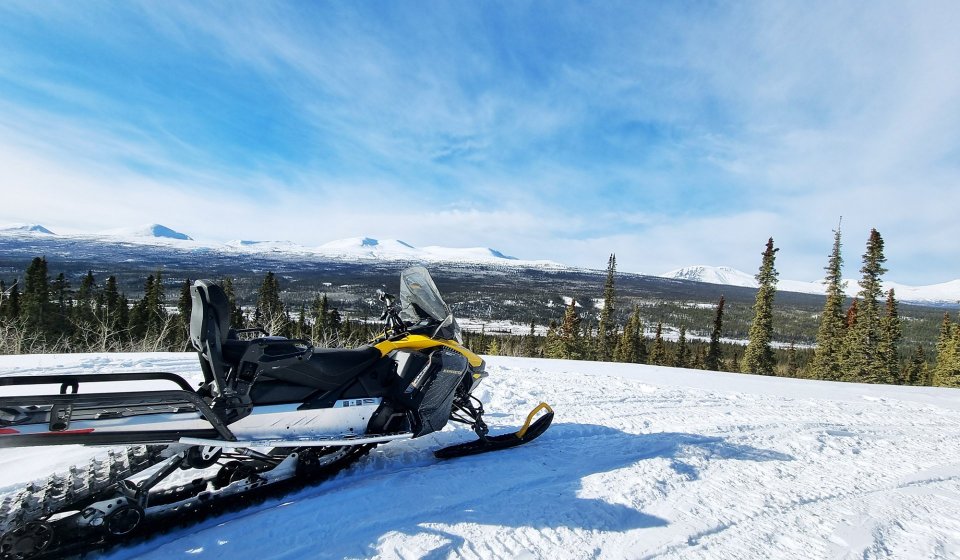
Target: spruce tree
[[112, 297], [321, 312], [528, 344], [946, 327], [156, 306], [270, 312], [606, 330], [947, 372], [700, 357], [714, 356], [847, 349], [148, 316], [864, 363], [83, 311], [334, 320], [35, 308], [681, 358], [827, 357], [300, 329], [642, 354], [60, 292], [758, 356], [951, 377], [571, 345], [13, 301], [236, 312], [890, 334], [552, 347], [185, 308], [792, 366], [916, 372], [631, 340], [658, 356], [112, 313], [85, 292]]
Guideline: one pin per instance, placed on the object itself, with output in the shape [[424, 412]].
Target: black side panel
[[436, 396]]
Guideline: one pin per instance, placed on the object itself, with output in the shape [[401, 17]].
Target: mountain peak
[[713, 275], [27, 228], [500, 255], [153, 230]]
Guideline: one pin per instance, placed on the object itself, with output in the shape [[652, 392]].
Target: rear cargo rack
[[70, 401]]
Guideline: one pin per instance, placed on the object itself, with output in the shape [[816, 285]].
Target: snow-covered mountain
[[641, 462], [713, 275], [156, 231], [25, 228], [395, 248], [947, 292], [41, 240]]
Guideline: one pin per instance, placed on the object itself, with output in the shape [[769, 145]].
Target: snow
[[713, 275], [152, 230], [500, 327], [641, 462], [26, 228], [943, 293], [368, 247]]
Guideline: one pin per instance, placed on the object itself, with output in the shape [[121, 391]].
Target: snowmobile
[[270, 409]]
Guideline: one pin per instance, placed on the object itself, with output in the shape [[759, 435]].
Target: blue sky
[[670, 133]]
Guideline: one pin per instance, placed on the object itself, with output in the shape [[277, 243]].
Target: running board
[[297, 442]]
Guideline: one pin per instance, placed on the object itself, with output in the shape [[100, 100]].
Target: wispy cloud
[[672, 134]]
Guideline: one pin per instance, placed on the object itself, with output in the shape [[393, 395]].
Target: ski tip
[[526, 425]]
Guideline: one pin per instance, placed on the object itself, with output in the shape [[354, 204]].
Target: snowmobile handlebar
[[391, 314]]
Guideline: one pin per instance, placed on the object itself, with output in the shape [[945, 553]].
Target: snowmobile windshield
[[420, 300]]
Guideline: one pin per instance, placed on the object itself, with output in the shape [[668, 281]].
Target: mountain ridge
[[945, 292], [358, 248]]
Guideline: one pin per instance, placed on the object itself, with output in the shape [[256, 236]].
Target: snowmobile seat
[[326, 369], [284, 372]]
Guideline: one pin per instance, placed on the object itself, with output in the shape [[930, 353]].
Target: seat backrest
[[209, 315], [209, 327]]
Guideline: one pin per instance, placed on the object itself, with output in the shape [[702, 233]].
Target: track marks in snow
[[641, 462]]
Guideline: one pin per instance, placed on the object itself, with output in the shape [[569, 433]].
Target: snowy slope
[[641, 462], [946, 292], [25, 228], [713, 275], [149, 231]]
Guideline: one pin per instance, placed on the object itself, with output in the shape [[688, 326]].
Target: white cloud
[[768, 119]]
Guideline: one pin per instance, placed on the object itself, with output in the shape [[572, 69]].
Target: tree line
[[859, 342], [40, 315]]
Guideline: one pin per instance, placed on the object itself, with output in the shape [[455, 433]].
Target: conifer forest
[[862, 339]]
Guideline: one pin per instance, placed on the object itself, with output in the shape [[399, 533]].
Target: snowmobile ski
[[485, 443]]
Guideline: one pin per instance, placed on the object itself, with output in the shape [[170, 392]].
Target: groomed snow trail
[[641, 462]]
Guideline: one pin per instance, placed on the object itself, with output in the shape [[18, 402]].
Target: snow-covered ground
[[641, 462]]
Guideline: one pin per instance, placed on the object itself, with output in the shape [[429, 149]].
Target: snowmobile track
[[79, 483], [36, 502]]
